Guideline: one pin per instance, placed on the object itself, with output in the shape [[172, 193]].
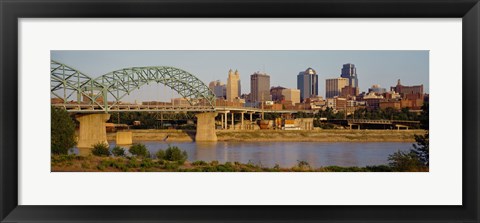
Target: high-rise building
[[260, 87], [333, 86], [233, 85], [307, 83], [218, 88], [349, 71]]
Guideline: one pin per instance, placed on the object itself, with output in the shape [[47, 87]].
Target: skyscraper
[[260, 87], [333, 86], [349, 71], [233, 85], [307, 83]]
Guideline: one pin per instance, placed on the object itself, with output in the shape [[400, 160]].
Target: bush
[[199, 163], [139, 150], [160, 155], [405, 162], [118, 151], [100, 149], [62, 132], [173, 153]]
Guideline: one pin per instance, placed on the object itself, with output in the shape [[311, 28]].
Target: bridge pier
[[206, 127], [92, 131]]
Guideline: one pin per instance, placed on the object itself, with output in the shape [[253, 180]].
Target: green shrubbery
[[118, 151], [172, 153], [101, 149], [139, 150], [62, 132]]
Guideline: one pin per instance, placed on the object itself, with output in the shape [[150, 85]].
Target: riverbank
[[334, 135], [73, 163]]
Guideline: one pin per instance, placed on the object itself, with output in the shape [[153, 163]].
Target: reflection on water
[[286, 154]]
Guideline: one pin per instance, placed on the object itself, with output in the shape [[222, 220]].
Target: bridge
[[93, 98], [379, 122]]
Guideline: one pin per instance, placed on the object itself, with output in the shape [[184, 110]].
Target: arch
[[122, 82], [66, 81]]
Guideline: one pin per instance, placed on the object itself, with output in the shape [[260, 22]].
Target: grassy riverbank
[[334, 135], [73, 163]]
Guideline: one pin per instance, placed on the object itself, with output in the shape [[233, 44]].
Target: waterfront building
[[218, 88], [372, 100], [349, 71], [290, 94], [260, 87], [333, 86], [233, 85], [307, 83]]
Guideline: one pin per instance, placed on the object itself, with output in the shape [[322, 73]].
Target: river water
[[287, 154]]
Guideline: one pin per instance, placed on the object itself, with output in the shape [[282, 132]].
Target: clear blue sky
[[373, 67]]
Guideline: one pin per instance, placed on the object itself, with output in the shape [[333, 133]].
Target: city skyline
[[383, 68]]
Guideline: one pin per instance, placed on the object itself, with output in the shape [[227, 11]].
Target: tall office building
[[307, 83], [333, 86], [349, 71], [260, 87], [233, 85]]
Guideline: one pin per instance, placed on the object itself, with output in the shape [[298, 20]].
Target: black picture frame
[[11, 11]]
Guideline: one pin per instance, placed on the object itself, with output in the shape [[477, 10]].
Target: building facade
[[307, 83], [290, 94], [276, 93], [333, 86], [403, 90], [260, 87], [377, 89], [349, 71], [233, 85]]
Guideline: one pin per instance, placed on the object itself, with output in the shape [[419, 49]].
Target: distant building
[[377, 89], [372, 100], [333, 86], [292, 95], [307, 83], [179, 101], [218, 88], [403, 90], [349, 92], [276, 93], [349, 71], [260, 87], [233, 85]]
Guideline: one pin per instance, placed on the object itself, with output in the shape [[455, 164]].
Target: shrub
[[100, 149], [199, 163], [173, 153], [62, 132], [118, 151], [160, 154], [139, 150], [405, 161]]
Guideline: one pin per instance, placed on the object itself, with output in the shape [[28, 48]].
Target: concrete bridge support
[[206, 127], [92, 131]]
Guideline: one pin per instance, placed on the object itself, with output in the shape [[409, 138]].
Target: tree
[[62, 131]]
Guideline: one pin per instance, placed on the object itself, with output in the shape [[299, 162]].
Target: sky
[[373, 67]]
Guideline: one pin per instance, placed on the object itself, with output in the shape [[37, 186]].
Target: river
[[287, 154]]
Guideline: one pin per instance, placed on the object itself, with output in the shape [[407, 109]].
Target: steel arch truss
[[67, 83], [70, 85], [122, 82]]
